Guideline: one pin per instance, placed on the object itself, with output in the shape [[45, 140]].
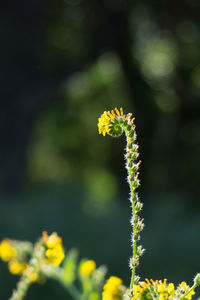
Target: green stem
[[70, 287], [133, 199], [190, 290], [22, 288], [73, 291], [134, 248]]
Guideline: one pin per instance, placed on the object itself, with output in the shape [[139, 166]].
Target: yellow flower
[[171, 289], [16, 267], [7, 252], [104, 122], [54, 253], [189, 296], [155, 288], [138, 290], [183, 285], [87, 267], [111, 290], [163, 296], [106, 118], [51, 241], [161, 288]]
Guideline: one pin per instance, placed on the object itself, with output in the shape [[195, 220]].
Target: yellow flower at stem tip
[[52, 240], [106, 118], [54, 253], [7, 252], [110, 122], [104, 122], [87, 267]]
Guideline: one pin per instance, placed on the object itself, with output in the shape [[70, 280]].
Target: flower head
[[113, 122], [54, 252], [111, 290], [104, 122], [160, 290], [87, 267]]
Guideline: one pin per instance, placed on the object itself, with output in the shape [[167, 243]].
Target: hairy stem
[[131, 155]]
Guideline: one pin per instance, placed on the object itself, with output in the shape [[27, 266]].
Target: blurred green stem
[[70, 287], [73, 291]]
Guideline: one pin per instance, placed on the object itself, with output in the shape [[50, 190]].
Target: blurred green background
[[62, 64]]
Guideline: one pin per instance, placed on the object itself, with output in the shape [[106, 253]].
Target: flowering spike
[[114, 123]]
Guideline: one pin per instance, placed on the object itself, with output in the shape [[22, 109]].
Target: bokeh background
[[62, 64]]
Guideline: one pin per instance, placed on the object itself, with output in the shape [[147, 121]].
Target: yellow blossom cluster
[[9, 254], [111, 290], [87, 267], [107, 117], [160, 290], [54, 249]]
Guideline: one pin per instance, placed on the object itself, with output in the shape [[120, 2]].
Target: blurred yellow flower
[[7, 252], [111, 290], [16, 267], [171, 289], [87, 267], [54, 253]]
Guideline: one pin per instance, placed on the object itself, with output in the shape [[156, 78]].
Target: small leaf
[[70, 266]]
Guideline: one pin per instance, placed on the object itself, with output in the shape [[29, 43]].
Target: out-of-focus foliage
[[66, 144], [164, 54]]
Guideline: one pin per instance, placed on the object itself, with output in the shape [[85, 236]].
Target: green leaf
[[70, 267]]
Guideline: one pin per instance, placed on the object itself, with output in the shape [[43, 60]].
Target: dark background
[[62, 64]]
